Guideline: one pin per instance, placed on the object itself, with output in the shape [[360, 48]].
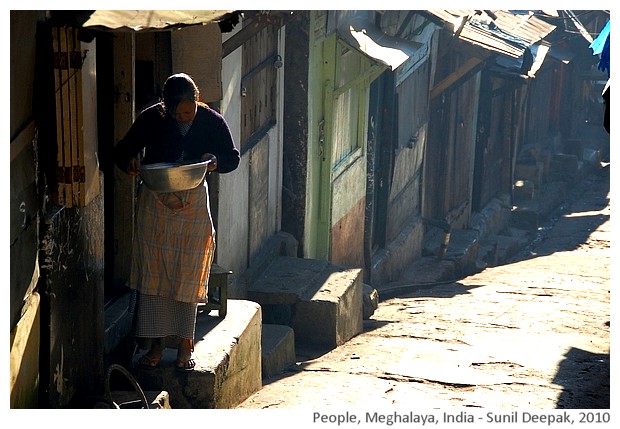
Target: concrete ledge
[[530, 172], [278, 349], [499, 249], [526, 216], [493, 218], [299, 292], [228, 361], [391, 262], [523, 190], [337, 305], [463, 250], [565, 167], [425, 272], [279, 244]]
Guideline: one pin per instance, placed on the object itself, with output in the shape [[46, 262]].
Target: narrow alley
[[530, 334]]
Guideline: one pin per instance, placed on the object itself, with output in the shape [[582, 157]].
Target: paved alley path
[[532, 334]]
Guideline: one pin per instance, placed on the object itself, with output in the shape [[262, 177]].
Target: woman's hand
[[133, 166], [212, 165]]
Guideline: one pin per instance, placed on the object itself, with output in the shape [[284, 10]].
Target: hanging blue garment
[[600, 46]]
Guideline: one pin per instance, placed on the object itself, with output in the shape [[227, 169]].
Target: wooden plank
[[468, 67], [74, 114], [258, 83], [258, 221], [66, 118], [252, 27], [79, 121], [87, 86], [57, 46], [23, 140]]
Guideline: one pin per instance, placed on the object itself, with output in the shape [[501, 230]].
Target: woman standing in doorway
[[174, 242]]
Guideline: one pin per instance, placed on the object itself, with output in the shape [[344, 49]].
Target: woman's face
[[185, 111]]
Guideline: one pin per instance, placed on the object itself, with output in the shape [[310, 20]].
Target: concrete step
[[462, 248], [499, 249], [228, 361], [565, 167], [424, 272], [298, 292], [523, 190], [531, 172], [463, 251], [277, 349]]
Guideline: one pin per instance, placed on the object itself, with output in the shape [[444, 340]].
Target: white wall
[[232, 233]]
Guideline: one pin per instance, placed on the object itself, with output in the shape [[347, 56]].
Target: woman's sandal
[[147, 361], [189, 363], [185, 365]]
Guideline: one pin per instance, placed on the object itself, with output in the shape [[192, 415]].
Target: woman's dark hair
[[177, 88]]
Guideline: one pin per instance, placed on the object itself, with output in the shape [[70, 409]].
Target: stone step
[[277, 349], [462, 248], [463, 251], [299, 292], [227, 351], [424, 272], [565, 167], [531, 172], [499, 249]]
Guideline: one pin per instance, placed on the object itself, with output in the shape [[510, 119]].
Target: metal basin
[[173, 177]]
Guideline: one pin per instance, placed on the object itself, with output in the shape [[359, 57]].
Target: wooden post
[[124, 185]]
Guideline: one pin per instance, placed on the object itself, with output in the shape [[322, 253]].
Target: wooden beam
[[23, 140], [124, 185], [252, 26], [470, 66]]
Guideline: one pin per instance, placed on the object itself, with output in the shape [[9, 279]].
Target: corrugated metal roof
[[497, 30], [141, 20]]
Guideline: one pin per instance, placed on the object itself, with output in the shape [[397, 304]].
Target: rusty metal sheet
[[497, 30]]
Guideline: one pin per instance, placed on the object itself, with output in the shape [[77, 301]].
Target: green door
[[337, 178]]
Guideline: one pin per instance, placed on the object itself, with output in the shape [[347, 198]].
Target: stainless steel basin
[[173, 177]]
